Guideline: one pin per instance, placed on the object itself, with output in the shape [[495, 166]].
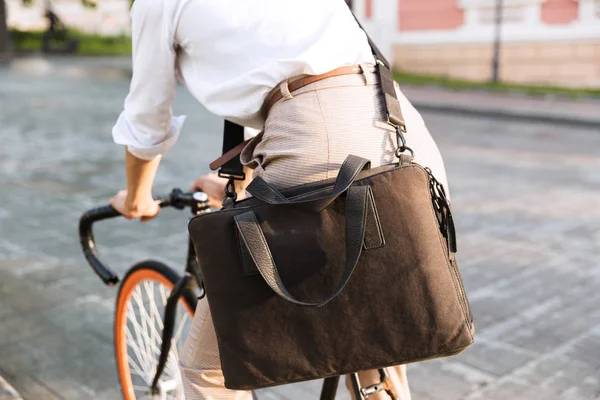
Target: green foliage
[[89, 3], [28, 41], [461, 84]]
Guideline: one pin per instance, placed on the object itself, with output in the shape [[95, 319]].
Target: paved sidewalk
[[510, 106], [525, 206], [513, 105]]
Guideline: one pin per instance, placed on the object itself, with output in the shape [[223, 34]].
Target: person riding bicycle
[[239, 59]]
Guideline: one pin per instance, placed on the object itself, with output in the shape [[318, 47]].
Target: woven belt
[[304, 80]]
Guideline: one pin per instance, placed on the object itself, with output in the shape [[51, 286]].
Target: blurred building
[[109, 17], [543, 41], [553, 42]]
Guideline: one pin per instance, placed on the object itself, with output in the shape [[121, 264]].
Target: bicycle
[[147, 344]]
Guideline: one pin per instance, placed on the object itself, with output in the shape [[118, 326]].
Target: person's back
[[248, 61], [229, 54], [235, 51]]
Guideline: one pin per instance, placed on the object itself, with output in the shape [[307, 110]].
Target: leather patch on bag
[[373, 232]]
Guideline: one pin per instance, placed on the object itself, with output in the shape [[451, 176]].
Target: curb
[[457, 109], [7, 392]]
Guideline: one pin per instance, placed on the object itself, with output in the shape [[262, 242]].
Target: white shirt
[[229, 54]]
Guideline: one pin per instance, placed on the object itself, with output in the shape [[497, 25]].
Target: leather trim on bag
[[374, 233], [248, 266]]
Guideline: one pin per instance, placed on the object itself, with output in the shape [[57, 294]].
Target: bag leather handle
[[254, 239], [349, 170]]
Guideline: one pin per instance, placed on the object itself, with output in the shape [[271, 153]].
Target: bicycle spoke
[[155, 318], [136, 350], [148, 320], [155, 314], [150, 338], [180, 327], [144, 328], [134, 370], [155, 350], [138, 372], [133, 319], [164, 295]]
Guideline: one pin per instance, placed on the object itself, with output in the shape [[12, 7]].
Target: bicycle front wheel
[[138, 330]]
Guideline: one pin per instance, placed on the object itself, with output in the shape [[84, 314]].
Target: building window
[[483, 12]]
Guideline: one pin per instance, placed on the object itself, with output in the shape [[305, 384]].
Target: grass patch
[[460, 84], [31, 41]]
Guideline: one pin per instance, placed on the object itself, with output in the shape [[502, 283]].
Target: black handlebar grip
[[88, 245], [86, 235]]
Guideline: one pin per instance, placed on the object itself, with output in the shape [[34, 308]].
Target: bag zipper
[[441, 206]]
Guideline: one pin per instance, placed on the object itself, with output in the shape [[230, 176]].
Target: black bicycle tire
[[168, 272]]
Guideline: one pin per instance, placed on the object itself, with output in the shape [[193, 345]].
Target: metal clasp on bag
[[400, 139], [230, 192]]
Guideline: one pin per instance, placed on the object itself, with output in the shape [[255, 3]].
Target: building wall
[[415, 15], [560, 11], [552, 42], [556, 63]]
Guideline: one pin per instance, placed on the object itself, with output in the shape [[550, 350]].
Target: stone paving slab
[[524, 195]]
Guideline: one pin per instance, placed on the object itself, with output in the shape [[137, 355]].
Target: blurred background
[[510, 90]]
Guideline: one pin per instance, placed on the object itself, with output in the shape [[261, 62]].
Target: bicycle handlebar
[[198, 201]]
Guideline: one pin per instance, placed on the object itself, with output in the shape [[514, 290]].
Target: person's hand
[[146, 209], [213, 186]]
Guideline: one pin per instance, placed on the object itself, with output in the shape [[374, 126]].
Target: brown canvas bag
[[333, 277], [337, 278]]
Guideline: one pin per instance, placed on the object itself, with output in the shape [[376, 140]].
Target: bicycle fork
[[169, 326]]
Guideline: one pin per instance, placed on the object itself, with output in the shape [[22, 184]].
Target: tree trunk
[[4, 44]]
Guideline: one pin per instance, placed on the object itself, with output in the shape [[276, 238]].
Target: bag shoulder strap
[[386, 78], [233, 136], [374, 49]]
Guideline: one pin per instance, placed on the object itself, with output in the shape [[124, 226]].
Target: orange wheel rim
[[121, 321]]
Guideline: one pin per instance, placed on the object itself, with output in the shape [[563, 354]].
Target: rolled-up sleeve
[[147, 125]]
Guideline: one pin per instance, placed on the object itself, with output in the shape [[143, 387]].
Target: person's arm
[[137, 201], [146, 126]]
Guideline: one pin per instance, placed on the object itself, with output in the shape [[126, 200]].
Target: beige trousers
[[307, 136]]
